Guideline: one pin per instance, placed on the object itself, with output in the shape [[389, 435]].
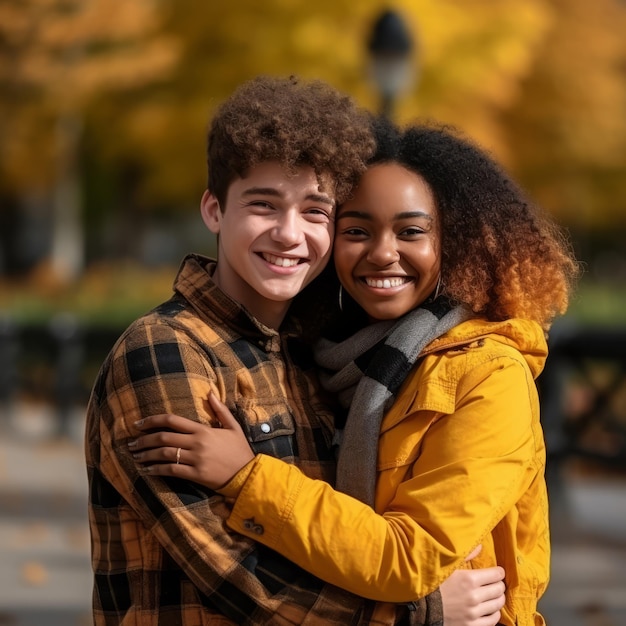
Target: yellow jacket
[[461, 462]]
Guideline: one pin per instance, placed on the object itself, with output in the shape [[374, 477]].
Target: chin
[[386, 313], [381, 316]]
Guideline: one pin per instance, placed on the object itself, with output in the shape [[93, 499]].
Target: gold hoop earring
[[438, 288], [341, 298]]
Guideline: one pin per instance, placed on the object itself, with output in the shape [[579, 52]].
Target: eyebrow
[[271, 191], [405, 215]]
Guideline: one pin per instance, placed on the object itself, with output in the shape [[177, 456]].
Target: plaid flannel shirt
[[161, 551]]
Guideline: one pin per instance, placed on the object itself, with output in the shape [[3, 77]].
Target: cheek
[[238, 229], [344, 262], [427, 258], [323, 241]]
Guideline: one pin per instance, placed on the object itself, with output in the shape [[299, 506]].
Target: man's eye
[[262, 204], [318, 215]]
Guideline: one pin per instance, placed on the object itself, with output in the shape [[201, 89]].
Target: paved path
[[45, 577], [588, 586]]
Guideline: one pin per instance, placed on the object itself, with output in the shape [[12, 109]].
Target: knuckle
[[161, 438]]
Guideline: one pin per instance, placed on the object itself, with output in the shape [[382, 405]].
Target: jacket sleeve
[[472, 466]]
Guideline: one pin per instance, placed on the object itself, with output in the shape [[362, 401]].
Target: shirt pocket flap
[[266, 419]]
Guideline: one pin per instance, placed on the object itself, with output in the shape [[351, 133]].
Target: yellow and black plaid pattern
[[161, 551]]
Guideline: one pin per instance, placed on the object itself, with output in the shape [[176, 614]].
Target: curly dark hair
[[501, 255], [293, 122]]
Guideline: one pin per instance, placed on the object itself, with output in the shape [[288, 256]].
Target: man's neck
[[270, 313]]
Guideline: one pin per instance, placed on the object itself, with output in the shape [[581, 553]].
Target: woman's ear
[[210, 211]]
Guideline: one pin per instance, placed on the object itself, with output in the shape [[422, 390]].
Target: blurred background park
[[104, 106]]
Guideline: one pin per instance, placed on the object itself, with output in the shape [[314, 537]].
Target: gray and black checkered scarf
[[366, 370]]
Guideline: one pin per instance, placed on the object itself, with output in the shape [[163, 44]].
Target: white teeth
[[280, 261], [385, 283]]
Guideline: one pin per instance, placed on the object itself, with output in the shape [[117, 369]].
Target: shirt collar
[[194, 282]]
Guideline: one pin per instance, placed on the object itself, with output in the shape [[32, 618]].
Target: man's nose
[[288, 229]]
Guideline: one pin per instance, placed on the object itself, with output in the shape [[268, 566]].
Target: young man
[[281, 155]]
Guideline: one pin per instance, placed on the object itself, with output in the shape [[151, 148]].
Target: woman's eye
[[354, 232], [412, 231]]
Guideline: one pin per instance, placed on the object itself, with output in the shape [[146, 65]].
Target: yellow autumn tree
[[468, 61], [567, 127], [538, 82], [56, 56]]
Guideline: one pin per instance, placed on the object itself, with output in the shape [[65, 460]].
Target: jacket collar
[[524, 335]]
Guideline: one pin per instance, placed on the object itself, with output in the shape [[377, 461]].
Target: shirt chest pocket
[[269, 427]]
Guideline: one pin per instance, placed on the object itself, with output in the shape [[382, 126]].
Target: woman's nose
[[383, 251]]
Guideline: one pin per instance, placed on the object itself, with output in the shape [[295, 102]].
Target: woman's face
[[387, 242]]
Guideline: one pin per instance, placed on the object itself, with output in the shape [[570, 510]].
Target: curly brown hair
[[293, 122], [501, 255]]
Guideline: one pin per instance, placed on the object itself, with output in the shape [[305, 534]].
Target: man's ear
[[210, 211]]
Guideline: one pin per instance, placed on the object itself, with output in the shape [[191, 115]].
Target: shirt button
[[265, 427]]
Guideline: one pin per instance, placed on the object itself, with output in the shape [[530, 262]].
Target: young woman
[[454, 278]]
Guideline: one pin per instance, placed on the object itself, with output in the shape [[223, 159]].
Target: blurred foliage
[[567, 131], [113, 294], [57, 58], [108, 294], [540, 83], [599, 304]]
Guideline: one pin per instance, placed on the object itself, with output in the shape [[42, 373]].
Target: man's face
[[275, 237]]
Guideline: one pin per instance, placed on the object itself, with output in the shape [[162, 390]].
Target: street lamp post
[[390, 47]]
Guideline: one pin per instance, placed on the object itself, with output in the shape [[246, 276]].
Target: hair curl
[[293, 122], [501, 255]]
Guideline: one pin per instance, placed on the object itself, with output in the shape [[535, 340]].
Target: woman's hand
[[473, 597], [180, 447]]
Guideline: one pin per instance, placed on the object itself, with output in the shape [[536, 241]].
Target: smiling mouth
[[281, 261], [386, 283]]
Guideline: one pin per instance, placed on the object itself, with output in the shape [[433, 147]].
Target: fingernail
[[137, 456], [139, 423], [132, 444]]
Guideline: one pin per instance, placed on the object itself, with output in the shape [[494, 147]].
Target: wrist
[[233, 487]]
